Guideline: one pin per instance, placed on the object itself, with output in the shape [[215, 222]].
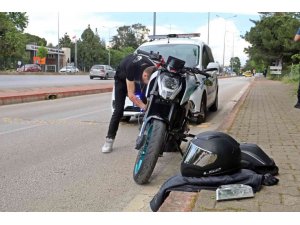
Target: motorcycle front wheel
[[149, 152]]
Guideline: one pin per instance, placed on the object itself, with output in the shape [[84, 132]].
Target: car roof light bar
[[162, 36]]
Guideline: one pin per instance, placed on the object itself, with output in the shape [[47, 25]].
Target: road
[[32, 81], [51, 160]]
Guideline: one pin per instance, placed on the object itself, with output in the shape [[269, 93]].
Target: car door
[[211, 82], [110, 71]]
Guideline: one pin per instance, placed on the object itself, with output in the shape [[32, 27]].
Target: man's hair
[[149, 70]]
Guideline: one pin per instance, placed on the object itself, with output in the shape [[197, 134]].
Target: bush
[[294, 75]]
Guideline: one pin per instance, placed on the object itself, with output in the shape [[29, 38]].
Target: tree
[[91, 50], [271, 38], [235, 62], [130, 36], [42, 52], [118, 55], [33, 39], [65, 41], [19, 19], [12, 41]]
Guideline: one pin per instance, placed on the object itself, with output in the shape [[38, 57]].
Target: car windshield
[[187, 52]]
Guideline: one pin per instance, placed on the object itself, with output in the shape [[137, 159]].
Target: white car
[[69, 69], [196, 54]]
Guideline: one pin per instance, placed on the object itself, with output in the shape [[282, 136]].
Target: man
[[297, 38], [132, 69]]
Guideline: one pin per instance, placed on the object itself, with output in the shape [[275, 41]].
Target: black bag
[[254, 158]]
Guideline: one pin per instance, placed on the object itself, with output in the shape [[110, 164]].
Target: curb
[[30, 96], [179, 201]]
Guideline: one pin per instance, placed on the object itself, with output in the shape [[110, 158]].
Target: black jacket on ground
[[193, 184]]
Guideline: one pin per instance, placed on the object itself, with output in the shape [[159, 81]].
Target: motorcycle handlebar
[[196, 70]]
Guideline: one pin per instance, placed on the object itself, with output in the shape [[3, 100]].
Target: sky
[[226, 20], [106, 24]]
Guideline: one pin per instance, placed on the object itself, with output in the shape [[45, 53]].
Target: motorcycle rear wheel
[[149, 152]]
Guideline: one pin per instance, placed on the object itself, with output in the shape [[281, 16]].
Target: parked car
[[247, 74], [102, 72], [69, 69], [195, 53], [29, 68]]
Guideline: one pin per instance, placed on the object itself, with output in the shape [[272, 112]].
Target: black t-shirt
[[132, 67]]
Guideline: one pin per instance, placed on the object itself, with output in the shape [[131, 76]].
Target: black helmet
[[211, 153]]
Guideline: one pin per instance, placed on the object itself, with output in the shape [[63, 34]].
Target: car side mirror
[[213, 66]]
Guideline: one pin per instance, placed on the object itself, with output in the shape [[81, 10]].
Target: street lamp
[[208, 18], [225, 35], [154, 23], [58, 58]]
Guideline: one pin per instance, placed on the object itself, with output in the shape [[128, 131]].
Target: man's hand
[[131, 95], [144, 108]]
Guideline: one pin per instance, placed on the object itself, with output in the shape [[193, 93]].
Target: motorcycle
[[165, 122]]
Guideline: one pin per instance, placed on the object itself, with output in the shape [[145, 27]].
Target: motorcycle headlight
[[171, 83], [169, 86]]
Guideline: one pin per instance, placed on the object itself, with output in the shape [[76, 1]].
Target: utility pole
[[108, 45], [58, 58], [76, 52], [225, 19], [154, 23], [208, 18]]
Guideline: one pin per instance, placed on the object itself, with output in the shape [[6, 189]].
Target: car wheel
[[91, 77], [214, 106], [201, 118]]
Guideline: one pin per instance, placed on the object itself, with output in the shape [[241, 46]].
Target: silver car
[[102, 72]]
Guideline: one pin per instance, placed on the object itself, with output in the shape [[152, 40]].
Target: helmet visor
[[198, 156]]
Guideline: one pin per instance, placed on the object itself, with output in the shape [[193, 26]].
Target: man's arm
[[132, 97]]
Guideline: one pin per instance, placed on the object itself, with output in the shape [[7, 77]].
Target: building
[[54, 55]]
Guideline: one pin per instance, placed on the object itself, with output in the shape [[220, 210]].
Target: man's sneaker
[[297, 105], [107, 147]]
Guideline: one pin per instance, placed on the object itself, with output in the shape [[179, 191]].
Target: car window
[[98, 67], [206, 57], [187, 52]]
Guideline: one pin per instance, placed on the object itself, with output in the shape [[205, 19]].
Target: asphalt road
[[51, 160], [32, 81]]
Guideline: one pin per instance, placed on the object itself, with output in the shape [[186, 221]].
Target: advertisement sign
[[38, 60]]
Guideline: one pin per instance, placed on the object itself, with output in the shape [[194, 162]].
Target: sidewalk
[[265, 116], [13, 96]]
